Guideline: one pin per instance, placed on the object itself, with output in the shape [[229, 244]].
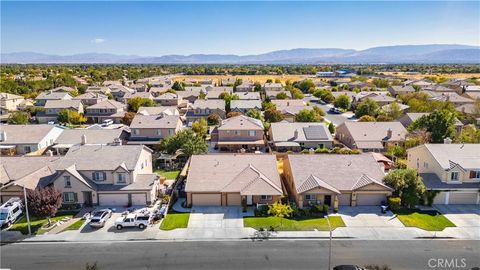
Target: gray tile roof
[[8, 96], [285, 131], [246, 104], [209, 104], [376, 131], [63, 104], [94, 136], [241, 122], [52, 95], [465, 155], [168, 110], [25, 134], [155, 121], [107, 104]]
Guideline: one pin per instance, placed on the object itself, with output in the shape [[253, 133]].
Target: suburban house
[[233, 180], [10, 102], [191, 93], [64, 89], [27, 139], [244, 106], [108, 109], [248, 95], [290, 108], [371, 136], [88, 136], [274, 94], [128, 96], [451, 170], [98, 89], [119, 91], [157, 91], [166, 110], [335, 180], [239, 132], [123, 178], [452, 97], [139, 87], [150, 129], [215, 92], [380, 97], [53, 107], [396, 90], [168, 99], [29, 172], [203, 108], [273, 87], [42, 98], [245, 87], [91, 98], [285, 136]]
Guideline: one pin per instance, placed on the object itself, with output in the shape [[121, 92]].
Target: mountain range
[[430, 54]]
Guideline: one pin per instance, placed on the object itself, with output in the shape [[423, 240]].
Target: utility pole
[[26, 209], [330, 248]]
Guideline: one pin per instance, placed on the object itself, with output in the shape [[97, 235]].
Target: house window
[[159, 132], [266, 197], [237, 132], [252, 133], [69, 197], [66, 180], [170, 132], [475, 174], [310, 197], [121, 178], [27, 149], [454, 176], [425, 164], [99, 176], [136, 131]]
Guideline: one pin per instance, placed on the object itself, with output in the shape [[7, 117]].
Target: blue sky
[[159, 28]]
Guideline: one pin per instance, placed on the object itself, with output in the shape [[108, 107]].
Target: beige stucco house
[[10, 102], [239, 132], [150, 129], [27, 139], [335, 180], [42, 98], [203, 108], [284, 136], [230, 179], [453, 170], [108, 109], [53, 107]]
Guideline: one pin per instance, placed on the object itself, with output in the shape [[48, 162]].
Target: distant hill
[[434, 53]]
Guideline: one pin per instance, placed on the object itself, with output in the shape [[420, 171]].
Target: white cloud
[[98, 40]]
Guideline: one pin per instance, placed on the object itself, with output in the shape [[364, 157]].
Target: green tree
[[440, 124], [137, 102], [18, 118], [186, 141], [305, 86], [331, 128], [272, 115], [202, 95], [178, 86], [366, 118], [367, 107], [393, 111], [407, 185], [307, 116], [469, 134], [342, 101], [282, 95], [279, 209], [200, 127], [213, 119], [228, 99], [71, 117], [296, 94], [254, 114], [324, 95]]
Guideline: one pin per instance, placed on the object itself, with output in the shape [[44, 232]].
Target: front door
[[249, 199], [328, 200], [87, 198]]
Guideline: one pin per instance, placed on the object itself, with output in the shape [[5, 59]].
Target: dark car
[[348, 267], [334, 110]]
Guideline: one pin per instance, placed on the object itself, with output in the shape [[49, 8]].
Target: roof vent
[[447, 140]]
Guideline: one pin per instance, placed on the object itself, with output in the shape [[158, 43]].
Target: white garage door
[[206, 199], [462, 198], [344, 199], [113, 199], [234, 199], [370, 199], [440, 198], [139, 199]]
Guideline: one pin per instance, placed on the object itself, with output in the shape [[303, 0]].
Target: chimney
[[389, 133], [3, 136], [447, 140], [295, 134], [84, 139]]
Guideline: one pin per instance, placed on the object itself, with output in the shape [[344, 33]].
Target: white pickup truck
[[132, 220]]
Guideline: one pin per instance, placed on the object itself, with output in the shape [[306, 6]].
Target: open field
[[408, 75], [255, 78]]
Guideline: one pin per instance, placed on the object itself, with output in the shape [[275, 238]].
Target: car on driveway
[[133, 220], [334, 110], [99, 218]]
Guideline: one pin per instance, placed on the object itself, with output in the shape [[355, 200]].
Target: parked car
[[133, 220], [335, 110], [107, 122], [348, 267], [99, 218], [10, 212]]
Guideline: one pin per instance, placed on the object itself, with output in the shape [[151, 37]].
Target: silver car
[[99, 218]]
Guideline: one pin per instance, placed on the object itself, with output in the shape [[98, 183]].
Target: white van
[[10, 212], [107, 122]]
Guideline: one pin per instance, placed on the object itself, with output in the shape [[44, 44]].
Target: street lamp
[[26, 208], [330, 248]]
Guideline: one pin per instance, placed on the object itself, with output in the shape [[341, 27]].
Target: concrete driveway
[[216, 217], [368, 216], [466, 215]]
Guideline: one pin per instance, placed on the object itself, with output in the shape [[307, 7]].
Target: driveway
[[466, 215], [368, 216], [336, 119], [215, 217]]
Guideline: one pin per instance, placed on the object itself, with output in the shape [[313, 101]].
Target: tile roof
[[155, 121], [168, 110], [63, 104], [241, 122], [94, 136], [375, 131], [7, 96], [246, 104], [432, 181], [25, 134], [465, 155], [285, 131], [107, 104], [209, 104], [52, 95]]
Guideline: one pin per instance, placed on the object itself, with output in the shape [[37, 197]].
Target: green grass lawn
[[283, 224], [168, 174], [37, 223], [175, 220], [75, 226], [426, 220]]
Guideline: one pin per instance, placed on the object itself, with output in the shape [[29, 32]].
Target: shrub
[[166, 199], [280, 210], [305, 151], [430, 196], [335, 210], [394, 203], [316, 209], [322, 151], [325, 209]]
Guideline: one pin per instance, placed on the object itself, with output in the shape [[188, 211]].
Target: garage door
[[344, 199], [440, 198], [234, 199], [113, 199], [139, 199], [462, 198], [206, 199], [370, 199]]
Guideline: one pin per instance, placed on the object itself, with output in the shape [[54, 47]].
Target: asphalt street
[[270, 254]]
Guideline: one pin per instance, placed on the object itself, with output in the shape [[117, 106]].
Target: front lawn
[[284, 224], [426, 220], [175, 220], [37, 223], [75, 226], [168, 174]]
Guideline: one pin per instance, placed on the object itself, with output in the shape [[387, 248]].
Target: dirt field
[[406, 75], [255, 78]]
